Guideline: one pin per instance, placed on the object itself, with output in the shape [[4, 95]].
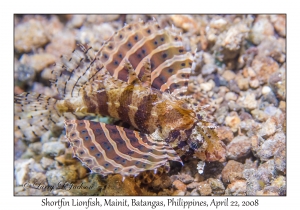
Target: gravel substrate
[[240, 68]]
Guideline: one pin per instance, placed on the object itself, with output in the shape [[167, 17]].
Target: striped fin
[[107, 149], [35, 114], [75, 71], [139, 43]]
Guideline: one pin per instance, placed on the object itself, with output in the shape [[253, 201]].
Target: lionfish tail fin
[[107, 149], [35, 114]]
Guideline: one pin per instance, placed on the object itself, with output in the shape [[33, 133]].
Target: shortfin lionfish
[[140, 77]]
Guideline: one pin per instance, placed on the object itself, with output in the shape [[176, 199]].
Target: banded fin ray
[[36, 114], [107, 149], [75, 71]]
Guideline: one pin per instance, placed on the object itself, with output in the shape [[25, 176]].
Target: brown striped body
[[147, 109]]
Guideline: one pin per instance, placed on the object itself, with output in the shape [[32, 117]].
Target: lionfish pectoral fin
[[110, 149], [146, 45]]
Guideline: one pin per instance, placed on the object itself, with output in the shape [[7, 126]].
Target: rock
[[280, 159], [186, 22], [225, 134], [273, 146], [266, 173], [266, 90], [233, 106], [243, 83], [62, 43], [259, 115], [208, 69], [207, 86], [232, 171], [194, 192], [253, 185], [268, 128], [282, 106], [198, 177], [237, 188], [36, 147], [233, 121], [280, 183], [185, 178], [261, 29], [233, 86], [231, 40], [264, 67], [230, 96], [220, 114], [38, 178], [163, 182], [179, 185], [279, 22], [24, 74], [218, 23], [254, 83], [250, 102], [270, 98], [65, 174], [47, 163], [36, 167], [269, 190], [228, 75], [77, 21], [53, 148], [277, 82], [116, 187], [30, 35], [178, 193], [28, 154], [239, 147], [38, 61], [217, 186], [204, 188], [22, 169], [46, 136], [192, 185]]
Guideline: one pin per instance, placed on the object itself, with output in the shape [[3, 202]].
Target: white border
[[8, 8]]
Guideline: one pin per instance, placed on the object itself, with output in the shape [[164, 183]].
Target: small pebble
[[232, 171], [250, 101], [230, 96], [233, 121], [237, 188], [179, 185], [204, 188], [239, 147], [47, 163], [266, 90], [254, 83], [243, 83], [178, 193], [22, 169], [228, 75], [268, 128], [53, 148], [208, 86]]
